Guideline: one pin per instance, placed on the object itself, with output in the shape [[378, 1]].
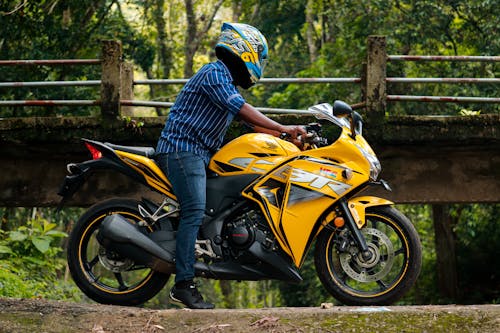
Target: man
[[194, 131]]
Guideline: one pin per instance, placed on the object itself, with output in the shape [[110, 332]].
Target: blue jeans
[[187, 174]]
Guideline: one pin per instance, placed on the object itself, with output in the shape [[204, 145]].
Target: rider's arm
[[263, 124], [260, 129]]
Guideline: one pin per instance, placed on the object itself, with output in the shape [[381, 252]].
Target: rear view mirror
[[341, 109], [356, 124]]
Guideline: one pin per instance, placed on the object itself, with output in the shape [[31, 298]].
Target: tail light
[[96, 154]]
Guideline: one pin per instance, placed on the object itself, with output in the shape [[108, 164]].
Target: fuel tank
[[251, 153]]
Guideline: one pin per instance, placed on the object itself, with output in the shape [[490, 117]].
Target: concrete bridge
[[425, 159]]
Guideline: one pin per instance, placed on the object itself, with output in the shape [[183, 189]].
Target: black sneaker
[[189, 297]]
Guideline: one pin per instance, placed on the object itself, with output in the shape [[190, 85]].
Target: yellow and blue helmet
[[248, 44]]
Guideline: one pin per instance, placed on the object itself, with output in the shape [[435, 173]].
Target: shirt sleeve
[[222, 92]]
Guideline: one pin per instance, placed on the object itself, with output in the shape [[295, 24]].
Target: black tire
[[382, 281], [131, 285]]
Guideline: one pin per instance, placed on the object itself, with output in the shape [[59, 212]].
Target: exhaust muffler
[[155, 250]]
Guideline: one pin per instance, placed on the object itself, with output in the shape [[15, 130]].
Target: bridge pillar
[[111, 78], [375, 80], [127, 88]]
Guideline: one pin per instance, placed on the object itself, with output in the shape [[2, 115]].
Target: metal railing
[[322, 80], [37, 84], [117, 82], [452, 99], [46, 62]]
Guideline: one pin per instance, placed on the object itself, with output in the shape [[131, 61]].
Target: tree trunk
[[237, 7], [445, 252], [194, 35], [152, 89], [190, 42], [165, 51], [4, 222], [310, 31], [227, 293], [327, 24]]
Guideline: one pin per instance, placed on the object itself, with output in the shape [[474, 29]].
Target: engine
[[240, 234], [246, 229]]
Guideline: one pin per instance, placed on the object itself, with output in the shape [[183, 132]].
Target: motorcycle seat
[[143, 151]]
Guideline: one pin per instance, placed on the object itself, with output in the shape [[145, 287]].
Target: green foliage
[[424, 291], [244, 294], [31, 270], [228, 294], [309, 292], [32, 243], [445, 28], [70, 29], [19, 282], [465, 112], [31, 261], [31, 264], [133, 124], [477, 234], [153, 35]]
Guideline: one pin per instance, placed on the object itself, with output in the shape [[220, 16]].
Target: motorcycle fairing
[[138, 167], [223, 191], [149, 170], [255, 153], [295, 195]]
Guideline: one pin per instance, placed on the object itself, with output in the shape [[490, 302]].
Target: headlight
[[375, 166]]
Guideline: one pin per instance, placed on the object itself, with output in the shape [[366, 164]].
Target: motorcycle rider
[[194, 131]]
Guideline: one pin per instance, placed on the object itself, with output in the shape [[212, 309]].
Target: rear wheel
[[103, 275], [383, 279]]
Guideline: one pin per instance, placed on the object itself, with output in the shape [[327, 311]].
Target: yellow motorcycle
[[268, 202]]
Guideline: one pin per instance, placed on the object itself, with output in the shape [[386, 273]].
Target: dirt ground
[[37, 315]]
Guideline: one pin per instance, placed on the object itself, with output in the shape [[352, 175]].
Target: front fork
[[353, 212], [358, 236]]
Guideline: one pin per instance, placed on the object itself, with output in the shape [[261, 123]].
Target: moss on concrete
[[50, 316], [483, 129], [397, 129]]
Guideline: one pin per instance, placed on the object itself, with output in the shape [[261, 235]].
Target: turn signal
[[339, 222]]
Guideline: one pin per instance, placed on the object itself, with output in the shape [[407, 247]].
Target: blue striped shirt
[[202, 112]]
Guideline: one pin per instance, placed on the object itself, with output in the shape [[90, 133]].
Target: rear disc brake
[[113, 261]]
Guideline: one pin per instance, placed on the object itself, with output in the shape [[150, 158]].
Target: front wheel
[[105, 276], [384, 278]]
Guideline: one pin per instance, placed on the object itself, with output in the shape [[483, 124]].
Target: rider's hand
[[294, 131]]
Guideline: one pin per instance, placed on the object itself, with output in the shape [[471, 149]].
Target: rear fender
[[79, 173], [358, 205]]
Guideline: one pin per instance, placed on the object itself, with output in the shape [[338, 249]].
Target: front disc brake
[[380, 262]]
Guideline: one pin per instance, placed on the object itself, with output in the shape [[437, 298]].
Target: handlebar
[[311, 140]]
